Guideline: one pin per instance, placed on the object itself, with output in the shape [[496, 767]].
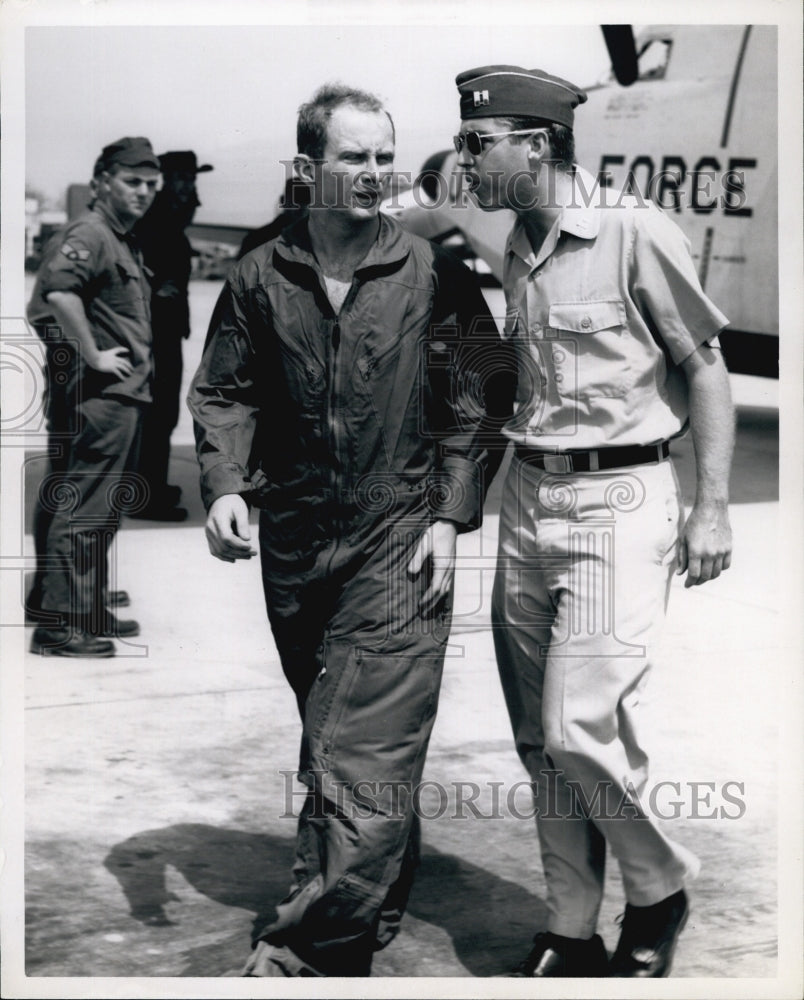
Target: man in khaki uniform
[[617, 355]]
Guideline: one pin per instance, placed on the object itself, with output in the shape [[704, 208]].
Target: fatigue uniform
[[352, 432], [93, 417], [600, 319]]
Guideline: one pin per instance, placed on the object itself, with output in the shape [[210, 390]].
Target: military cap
[[127, 152], [502, 91], [183, 161]]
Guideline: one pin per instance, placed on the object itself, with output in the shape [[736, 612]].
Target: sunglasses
[[474, 140]]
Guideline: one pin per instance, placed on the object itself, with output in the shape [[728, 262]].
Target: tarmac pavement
[[158, 791]]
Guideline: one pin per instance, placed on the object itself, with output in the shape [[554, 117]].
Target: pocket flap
[[126, 273], [586, 317]]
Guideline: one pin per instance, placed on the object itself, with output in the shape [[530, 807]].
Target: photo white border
[[15, 17]]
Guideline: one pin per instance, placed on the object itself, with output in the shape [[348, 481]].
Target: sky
[[231, 93]]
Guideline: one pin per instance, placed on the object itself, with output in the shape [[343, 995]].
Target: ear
[[538, 148], [304, 168]]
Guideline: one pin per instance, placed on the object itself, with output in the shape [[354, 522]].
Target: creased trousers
[[583, 577]]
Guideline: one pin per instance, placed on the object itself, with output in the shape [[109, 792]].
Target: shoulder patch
[[74, 252]]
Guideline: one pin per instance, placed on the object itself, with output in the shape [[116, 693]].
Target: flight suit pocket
[[591, 349]]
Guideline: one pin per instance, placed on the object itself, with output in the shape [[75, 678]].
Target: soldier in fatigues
[[91, 301]]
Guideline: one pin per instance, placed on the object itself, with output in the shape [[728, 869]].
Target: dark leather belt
[[593, 461]]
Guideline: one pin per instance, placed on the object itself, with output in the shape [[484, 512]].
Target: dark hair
[[311, 128], [562, 139]]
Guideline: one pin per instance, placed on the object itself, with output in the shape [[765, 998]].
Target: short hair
[[562, 139], [314, 116]]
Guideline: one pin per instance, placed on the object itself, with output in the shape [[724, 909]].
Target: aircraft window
[[653, 59]]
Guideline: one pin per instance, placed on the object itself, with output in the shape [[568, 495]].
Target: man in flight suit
[[347, 390], [91, 307], [617, 354]]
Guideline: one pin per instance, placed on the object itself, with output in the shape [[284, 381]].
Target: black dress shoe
[[648, 938], [563, 957], [108, 626], [67, 641]]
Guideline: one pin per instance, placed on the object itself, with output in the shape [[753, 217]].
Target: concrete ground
[[157, 810]]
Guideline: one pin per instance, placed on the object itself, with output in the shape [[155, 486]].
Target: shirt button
[[558, 356], [586, 322], [559, 377]]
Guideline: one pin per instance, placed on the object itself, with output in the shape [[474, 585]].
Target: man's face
[[499, 176], [180, 185], [358, 162], [128, 191]]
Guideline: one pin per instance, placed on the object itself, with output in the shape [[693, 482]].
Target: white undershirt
[[337, 292]]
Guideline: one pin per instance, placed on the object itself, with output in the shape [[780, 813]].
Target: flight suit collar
[[390, 249]]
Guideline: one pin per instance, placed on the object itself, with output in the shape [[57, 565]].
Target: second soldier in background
[[168, 255]]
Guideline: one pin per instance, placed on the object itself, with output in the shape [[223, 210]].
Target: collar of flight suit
[[388, 253], [579, 217]]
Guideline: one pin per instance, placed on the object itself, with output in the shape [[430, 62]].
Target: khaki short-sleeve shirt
[[601, 319]]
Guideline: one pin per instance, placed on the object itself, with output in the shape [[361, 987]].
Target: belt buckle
[[558, 464]]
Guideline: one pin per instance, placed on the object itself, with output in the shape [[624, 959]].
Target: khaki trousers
[[585, 563]]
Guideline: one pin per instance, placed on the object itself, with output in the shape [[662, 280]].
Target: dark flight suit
[[352, 433]]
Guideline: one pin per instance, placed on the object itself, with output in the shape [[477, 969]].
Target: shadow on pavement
[[489, 919]]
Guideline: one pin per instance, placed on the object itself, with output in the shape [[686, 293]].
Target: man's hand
[[705, 549], [227, 529], [115, 362], [437, 544]]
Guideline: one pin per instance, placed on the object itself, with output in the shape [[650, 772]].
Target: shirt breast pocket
[[125, 294], [592, 350]]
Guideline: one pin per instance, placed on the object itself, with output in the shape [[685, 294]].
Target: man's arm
[[706, 542], [474, 395], [473, 388], [224, 404], [68, 309]]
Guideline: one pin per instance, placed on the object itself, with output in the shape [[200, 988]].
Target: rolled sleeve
[[459, 492], [72, 266]]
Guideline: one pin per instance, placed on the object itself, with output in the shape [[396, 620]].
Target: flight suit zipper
[[332, 418]]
